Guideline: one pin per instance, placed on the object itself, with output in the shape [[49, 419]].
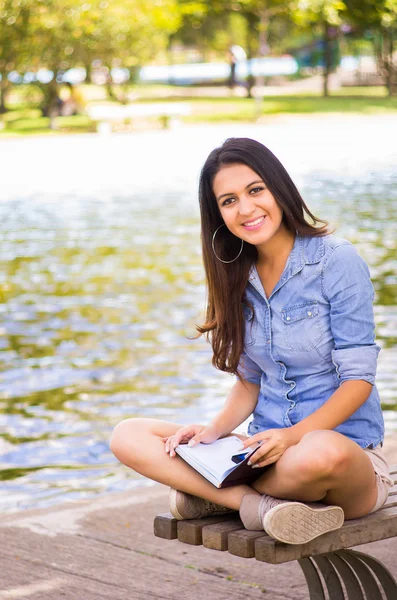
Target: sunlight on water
[[101, 285]]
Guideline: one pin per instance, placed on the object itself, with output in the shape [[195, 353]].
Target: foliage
[[57, 35], [380, 17]]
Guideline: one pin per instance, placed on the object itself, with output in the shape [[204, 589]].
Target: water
[[101, 285]]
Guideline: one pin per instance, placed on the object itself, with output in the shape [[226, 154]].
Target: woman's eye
[[256, 190], [227, 201]]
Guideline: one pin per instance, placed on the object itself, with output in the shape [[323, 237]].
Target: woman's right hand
[[191, 435]]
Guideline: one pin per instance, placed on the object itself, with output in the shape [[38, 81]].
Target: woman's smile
[[254, 224]]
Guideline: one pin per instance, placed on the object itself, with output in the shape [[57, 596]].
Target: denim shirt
[[315, 331]]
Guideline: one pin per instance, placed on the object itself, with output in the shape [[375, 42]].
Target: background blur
[[101, 279], [131, 51]]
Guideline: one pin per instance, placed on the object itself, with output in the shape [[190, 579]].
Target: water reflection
[[98, 295]]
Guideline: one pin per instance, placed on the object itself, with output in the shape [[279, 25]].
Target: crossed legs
[[324, 466]]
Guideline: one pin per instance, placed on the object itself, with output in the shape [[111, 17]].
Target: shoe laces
[[268, 502], [211, 506]]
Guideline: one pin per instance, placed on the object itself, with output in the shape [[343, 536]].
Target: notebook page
[[215, 457]]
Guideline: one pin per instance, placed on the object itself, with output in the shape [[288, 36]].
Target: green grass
[[23, 120], [30, 122]]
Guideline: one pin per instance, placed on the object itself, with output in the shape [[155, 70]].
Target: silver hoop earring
[[213, 247]]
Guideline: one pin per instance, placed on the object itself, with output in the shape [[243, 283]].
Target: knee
[[118, 437], [123, 438], [322, 456]]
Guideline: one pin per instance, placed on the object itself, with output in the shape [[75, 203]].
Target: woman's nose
[[246, 206]]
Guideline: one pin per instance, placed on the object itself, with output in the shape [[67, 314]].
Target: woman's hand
[[191, 435], [274, 442]]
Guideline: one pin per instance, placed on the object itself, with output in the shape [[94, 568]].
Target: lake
[[101, 285]]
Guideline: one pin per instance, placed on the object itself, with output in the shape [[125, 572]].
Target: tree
[[57, 35], [327, 16], [14, 33], [379, 17]]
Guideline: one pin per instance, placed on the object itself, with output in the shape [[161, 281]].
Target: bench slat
[[242, 542], [190, 530], [377, 526], [165, 526], [216, 536]]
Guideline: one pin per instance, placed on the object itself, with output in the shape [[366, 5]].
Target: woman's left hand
[[274, 442]]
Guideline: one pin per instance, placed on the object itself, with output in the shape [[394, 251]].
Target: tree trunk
[[109, 87], [88, 70], [51, 105], [263, 50], [391, 71], [327, 58], [387, 68], [252, 23], [3, 92]]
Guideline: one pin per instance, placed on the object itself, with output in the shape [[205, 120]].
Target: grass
[[206, 110], [23, 119], [30, 122]]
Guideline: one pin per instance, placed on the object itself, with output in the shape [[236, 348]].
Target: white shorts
[[382, 472]]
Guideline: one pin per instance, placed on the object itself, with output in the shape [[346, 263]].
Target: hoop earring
[[213, 247]]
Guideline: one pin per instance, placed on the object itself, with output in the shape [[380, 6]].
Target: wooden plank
[[190, 530], [242, 542], [377, 526], [165, 526], [216, 536]]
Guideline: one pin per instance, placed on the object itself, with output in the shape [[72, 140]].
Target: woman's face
[[248, 208]]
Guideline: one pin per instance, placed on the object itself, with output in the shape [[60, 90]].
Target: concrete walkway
[[105, 548]]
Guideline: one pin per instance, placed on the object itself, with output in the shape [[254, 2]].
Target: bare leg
[[324, 466], [138, 444]]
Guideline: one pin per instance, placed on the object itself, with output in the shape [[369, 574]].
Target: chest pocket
[[302, 326], [250, 326]]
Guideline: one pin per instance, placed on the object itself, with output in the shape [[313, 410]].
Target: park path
[[105, 548]]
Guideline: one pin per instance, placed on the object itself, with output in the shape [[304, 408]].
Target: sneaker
[[289, 522], [185, 506]]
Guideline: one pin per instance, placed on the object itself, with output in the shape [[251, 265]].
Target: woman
[[290, 314]]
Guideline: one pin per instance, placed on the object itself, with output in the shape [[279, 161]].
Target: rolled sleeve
[[348, 288], [356, 363], [249, 370]]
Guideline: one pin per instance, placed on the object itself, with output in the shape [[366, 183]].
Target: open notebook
[[222, 462]]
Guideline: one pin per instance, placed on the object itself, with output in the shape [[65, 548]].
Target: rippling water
[[101, 284]]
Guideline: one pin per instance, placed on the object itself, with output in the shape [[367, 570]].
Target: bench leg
[[362, 576]]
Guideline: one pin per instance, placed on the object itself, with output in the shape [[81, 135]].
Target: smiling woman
[[245, 187], [290, 314]]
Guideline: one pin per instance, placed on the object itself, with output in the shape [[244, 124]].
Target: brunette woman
[[290, 315]]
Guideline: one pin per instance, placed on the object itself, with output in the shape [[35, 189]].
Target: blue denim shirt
[[314, 332]]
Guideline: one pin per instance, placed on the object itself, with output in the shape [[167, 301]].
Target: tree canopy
[[57, 35]]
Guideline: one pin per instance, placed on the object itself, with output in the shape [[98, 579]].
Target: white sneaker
[[289, 522], [186, 506]]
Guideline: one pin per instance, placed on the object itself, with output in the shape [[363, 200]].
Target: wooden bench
[[108, 115], [325, 561]]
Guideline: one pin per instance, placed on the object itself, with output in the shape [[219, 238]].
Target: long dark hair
[[226, 283]]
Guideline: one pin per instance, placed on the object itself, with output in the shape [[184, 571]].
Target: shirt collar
[[307, 250]]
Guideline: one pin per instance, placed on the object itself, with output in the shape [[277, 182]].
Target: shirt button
[[309, 313], [288, 318]]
